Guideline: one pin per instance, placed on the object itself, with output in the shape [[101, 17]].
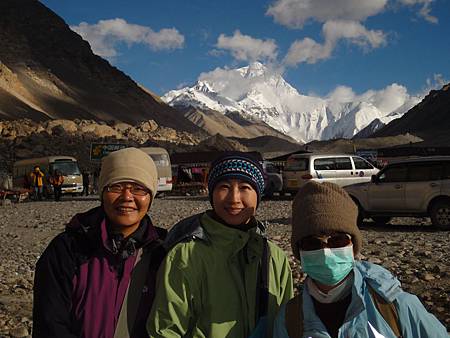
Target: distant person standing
[[37, 182], [57, 181], [86, 183]]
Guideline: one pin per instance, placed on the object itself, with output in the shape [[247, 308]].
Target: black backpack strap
[[262, 296], [294, 317]]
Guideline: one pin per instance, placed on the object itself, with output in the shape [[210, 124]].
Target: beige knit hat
[[321, 208], [129, 164]]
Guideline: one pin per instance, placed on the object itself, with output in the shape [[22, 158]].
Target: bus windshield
[[161, 160], [65, 167]]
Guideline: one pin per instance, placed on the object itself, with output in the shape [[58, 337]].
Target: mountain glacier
[[261, 92]]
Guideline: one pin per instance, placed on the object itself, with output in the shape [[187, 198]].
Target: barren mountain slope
[[49, 71], [430, 119]]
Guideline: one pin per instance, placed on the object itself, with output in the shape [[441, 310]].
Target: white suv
[[414, 187]]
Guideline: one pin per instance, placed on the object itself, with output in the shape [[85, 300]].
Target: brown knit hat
[[320, 208], [129, 164]]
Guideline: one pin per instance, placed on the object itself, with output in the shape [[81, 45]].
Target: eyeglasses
[[336, 240], [135, 189]]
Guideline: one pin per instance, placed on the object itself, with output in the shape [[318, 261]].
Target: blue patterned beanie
[[236, 165]]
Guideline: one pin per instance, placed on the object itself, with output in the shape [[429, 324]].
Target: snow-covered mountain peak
[[260, 92], [254, 69], [203, 86]]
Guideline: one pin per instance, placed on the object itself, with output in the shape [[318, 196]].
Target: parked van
[[68, 166], [162, 161], [339, 169]]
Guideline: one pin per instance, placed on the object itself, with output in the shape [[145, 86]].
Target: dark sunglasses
[[336, 240]]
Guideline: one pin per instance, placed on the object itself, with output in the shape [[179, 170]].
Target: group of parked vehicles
[[413, 187], [73, 180]]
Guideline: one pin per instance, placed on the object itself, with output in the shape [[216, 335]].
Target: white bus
[[162, 161], [68, 166]]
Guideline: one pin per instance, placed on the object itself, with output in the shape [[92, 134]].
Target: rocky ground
[[415, 252]]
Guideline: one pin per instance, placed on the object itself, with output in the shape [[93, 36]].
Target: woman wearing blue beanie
[[221, 277]]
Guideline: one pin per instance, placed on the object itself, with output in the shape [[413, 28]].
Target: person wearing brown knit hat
[[97, 278], [344, 297], [321, 209]]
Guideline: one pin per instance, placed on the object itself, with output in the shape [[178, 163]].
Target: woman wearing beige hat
[[344, 297], [97, 278]]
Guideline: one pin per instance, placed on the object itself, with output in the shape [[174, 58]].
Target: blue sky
[[318, 44]]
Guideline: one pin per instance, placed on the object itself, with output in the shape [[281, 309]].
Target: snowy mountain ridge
[[260, 92]]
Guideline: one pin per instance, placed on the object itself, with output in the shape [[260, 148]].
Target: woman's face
[[125, 206], [234, 201]]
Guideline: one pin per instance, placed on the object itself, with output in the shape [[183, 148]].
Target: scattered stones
[[27, 228], [19, 332], [428, 277]]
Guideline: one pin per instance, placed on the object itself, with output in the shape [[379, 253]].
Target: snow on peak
[[253, 70], [261, 92]]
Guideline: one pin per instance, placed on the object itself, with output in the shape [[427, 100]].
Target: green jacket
[[208, 287]]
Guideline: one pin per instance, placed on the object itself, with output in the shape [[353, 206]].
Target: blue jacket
[[362, 314]]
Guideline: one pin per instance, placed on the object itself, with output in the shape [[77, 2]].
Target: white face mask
[[334, 295]]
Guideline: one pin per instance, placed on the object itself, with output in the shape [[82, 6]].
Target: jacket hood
[[380, 279]]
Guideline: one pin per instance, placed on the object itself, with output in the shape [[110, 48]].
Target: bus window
[[65, 167]]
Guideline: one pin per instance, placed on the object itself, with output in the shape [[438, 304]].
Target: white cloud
[[424, 10], [245, 48], [306, 50], [227, 81], [341, 94], [295, 13], [437, 82], [354, 31], [106, 34], [231, 82], [310, 51], [386, 100]]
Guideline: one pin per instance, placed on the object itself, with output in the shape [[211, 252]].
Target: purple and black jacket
[[82, 277]]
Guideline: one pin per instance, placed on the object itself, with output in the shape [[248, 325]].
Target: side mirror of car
[[374, 179]]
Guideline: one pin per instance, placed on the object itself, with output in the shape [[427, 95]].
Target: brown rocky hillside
[[47, 71], [429, 120], [231, 124]]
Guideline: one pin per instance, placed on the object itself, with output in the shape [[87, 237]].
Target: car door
[[424, 181], [388, 192], [325, 169], [363, 170], [344, 171]]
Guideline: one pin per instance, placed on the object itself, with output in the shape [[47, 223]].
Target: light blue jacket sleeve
[[279, 327], [416, 321]]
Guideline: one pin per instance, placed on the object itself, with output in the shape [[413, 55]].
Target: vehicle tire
[[361, 213], [440, 214], [268, 193], [360, 219], [381, 220]]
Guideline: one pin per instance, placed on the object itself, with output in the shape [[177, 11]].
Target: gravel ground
[[415, 252]]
